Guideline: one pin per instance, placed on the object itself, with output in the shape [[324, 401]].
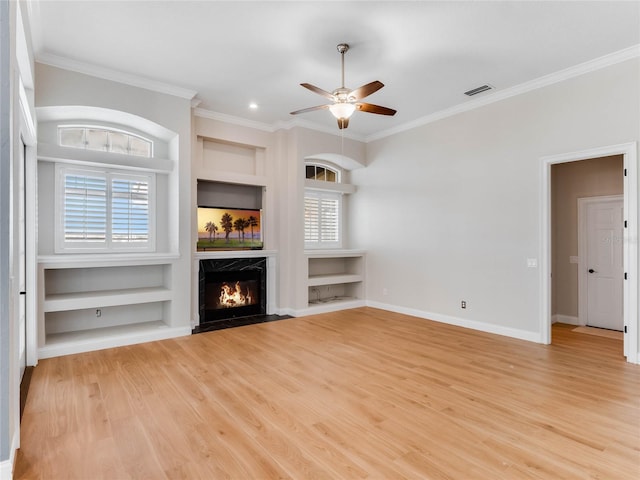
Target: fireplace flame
[[233, 297]]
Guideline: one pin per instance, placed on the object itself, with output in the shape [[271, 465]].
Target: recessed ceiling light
[[253, 106]]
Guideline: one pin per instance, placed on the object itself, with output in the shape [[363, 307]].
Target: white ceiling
[[426, 53]]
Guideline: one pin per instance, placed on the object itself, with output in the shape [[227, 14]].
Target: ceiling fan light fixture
[[342, 110]]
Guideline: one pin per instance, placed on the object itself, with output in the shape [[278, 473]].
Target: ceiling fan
[[346, 101]]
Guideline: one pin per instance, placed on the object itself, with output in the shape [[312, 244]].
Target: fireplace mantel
[[235, 254]]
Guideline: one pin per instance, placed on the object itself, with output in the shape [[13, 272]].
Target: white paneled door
[[604, 263]]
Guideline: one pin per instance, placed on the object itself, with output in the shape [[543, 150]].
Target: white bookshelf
[[335, 280], [89, 303]]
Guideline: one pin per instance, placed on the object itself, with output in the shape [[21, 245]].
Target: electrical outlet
[[98, 312], [385, 291], [463, 304]]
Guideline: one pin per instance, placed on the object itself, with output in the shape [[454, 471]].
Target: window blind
[[322, 219]]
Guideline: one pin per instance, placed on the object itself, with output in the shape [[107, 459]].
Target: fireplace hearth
[[231, 288]]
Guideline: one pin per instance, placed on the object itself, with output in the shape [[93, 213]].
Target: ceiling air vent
[[478, 90]]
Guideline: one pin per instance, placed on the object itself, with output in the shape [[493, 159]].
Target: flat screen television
[[229, 229]]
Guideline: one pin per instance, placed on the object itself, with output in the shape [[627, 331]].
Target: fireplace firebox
[[232, 288]]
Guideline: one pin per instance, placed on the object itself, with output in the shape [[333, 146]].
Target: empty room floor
[[362, 393]]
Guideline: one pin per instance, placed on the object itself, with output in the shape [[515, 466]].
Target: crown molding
[[556, 77], [302, 123], [114, 75], [271, 128], [232, 119]]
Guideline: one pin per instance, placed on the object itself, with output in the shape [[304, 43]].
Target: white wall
[[451, 211]]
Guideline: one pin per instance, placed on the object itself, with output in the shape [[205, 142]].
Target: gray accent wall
[[5, 231]]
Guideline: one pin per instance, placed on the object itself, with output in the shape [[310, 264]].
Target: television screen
[[229, 229]]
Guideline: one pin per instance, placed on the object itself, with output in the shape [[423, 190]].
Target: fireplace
[[232, 288]]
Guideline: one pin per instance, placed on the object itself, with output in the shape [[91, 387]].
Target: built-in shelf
[[335, 280], [91, 302], [317, 280], [105, 298], [67, 343]]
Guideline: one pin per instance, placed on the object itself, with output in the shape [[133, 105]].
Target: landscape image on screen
[[229, 229]]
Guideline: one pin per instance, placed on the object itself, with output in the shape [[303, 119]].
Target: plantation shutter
[[322, 219], [104, 211], [130, 210], [85, 208]]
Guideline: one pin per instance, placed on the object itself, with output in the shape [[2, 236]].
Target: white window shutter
[[130, 210], [100, 210], [322, 213], [85, 208]]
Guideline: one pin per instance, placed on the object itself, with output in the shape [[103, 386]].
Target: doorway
[[628, 152]]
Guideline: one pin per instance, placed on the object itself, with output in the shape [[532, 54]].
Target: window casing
[[323, 207], [100, 210]]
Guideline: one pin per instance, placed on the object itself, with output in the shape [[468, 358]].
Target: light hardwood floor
[[357, 394]]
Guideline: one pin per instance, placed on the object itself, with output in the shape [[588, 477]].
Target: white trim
[[460, 322], [113, 340], [279, 125], [114, 75], [322, 186], [75, 113], [6, 467], [233, 120], [629, 151], [112, 260], [29, 138], [566, 319], [498, 95], [583, 202]]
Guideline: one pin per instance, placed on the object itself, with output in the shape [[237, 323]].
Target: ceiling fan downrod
[[343, 48]]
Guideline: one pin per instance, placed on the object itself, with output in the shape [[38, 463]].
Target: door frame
[[27, 134], [583, 204], [629, 151]]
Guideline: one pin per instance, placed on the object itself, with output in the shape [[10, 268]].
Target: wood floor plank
[[358, 394]]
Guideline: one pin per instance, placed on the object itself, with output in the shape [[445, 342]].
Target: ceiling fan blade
[[310, 109], [366, 90], [317, 90], [371, 108], [343, 123]]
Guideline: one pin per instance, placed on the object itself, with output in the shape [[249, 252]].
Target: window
[[322, 211], [324, 205], [322, 173], [105, 140], [103, 210]]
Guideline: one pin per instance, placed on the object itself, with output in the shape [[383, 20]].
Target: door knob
[[591, 270]]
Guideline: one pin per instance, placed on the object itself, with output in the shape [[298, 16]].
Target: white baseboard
[[6, 470], [568, 319], [462, 322], [6, 467]]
